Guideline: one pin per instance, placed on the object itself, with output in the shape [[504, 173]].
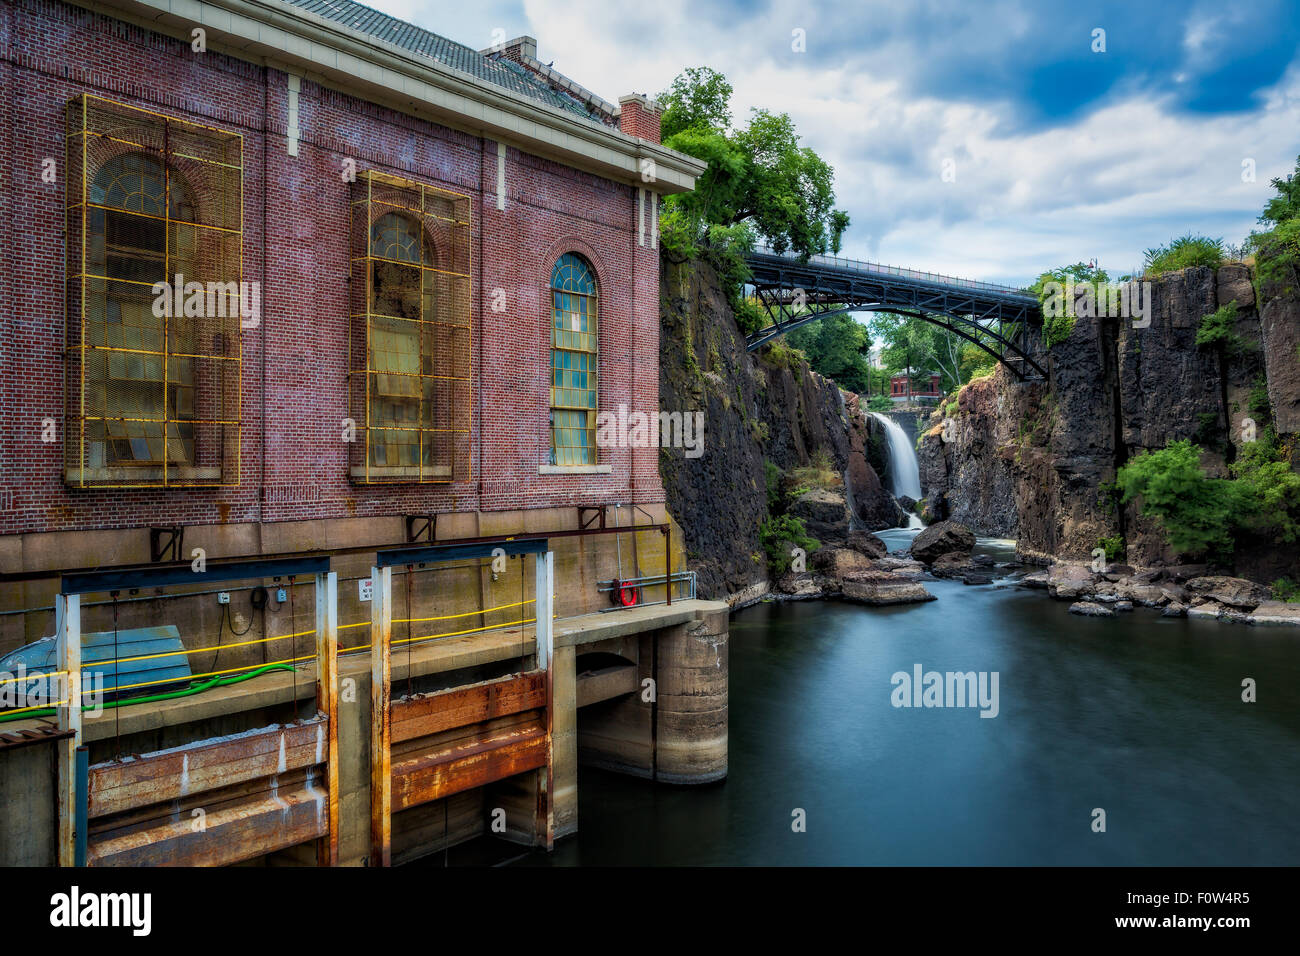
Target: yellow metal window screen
[[409, 345], [153, 391], [573, 361]]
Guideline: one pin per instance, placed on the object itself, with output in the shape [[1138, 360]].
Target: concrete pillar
[[691, 735], [564, 742]]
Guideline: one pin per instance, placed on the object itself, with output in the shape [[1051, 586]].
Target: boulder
[[1174, 609], [1089, 609], [799, 586], [837, 562], [1206, 609], [1068, 582], [1277, 613], [951, 565], [1237, 592], [1035, 579], [879, 588], [824, 514], [908, 504], [942, 537], [1147, 595], [864, 542], [902, 567], [1123, 606], [976, 578]]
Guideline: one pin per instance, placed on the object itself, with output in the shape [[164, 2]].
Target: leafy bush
[[880, 403], [1114, 547], [1195, 512], [1284, 589], [1180, 253], [779, 535], [1218, 330], [1202, 515], [952, 408]]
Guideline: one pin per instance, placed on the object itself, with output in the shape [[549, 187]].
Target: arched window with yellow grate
[[574, 320], [153, 377]]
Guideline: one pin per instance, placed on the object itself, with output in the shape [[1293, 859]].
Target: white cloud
[[1132, 174]]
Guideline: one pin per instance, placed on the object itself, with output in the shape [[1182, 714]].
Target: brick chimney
[[638, 116], [519, 49]]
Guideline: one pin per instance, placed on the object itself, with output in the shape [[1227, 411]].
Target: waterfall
[[904, 472]]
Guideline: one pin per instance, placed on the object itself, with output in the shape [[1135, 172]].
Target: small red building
[[901, 391]]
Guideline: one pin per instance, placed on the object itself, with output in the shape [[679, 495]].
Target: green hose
[[192, 689]]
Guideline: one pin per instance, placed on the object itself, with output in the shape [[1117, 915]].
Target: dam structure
[[329, 568]]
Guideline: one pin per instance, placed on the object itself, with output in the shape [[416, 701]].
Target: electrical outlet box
[[281, 596], [223, 597]]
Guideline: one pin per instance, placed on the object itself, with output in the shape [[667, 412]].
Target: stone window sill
[[574, 469]]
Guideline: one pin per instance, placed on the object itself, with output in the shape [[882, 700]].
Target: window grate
[[409, 344], [153, 392]]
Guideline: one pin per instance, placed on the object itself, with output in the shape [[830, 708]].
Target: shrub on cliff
[[1277, 251], [1203, 515], [1182, 253], [1218, 330], [1194, 511], [781, 534]]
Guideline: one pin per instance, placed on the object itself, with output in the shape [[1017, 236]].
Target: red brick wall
[[293, 462]]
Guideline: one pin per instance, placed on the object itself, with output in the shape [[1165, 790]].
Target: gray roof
[[497, 71]]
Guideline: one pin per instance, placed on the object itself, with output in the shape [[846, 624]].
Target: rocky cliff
[[758, 407], [1033, 460]]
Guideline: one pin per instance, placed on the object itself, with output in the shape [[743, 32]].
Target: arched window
[[136, 379], [395, 361], [573, 361]]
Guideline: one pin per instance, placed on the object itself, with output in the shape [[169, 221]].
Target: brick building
[[451, 257]]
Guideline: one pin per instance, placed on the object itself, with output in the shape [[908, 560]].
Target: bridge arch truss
[[1000, 320]]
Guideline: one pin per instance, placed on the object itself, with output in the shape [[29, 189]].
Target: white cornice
[[290, 38]]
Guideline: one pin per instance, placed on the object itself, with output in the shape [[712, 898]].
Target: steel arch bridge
[[1001, 320]]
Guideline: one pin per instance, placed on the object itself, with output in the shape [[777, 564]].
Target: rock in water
[[879, 588], [1277, 612], [867, 543], [942, 537], [825, 515], [1237, 592], [1089, 609]]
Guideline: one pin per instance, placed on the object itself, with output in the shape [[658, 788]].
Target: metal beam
[[121, 579]]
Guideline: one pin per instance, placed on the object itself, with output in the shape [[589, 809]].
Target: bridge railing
[[860, 265]]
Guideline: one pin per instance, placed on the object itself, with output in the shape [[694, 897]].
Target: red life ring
[[628, 596]]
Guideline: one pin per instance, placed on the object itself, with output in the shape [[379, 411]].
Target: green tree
[[759, 183], [837, 347], [1285, 206]]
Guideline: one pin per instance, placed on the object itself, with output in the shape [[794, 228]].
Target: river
[[1138, 715]]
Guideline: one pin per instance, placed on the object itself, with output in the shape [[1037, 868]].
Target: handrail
[[860, 265]]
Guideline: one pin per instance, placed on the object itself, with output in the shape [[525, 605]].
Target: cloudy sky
[[1059, 153]]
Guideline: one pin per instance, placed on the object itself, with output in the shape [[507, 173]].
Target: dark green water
[[1138, 715]]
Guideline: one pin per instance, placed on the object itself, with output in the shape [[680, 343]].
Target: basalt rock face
[[757, 406], [1031, 460]]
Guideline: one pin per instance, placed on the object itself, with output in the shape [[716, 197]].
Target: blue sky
[[1060, 153]]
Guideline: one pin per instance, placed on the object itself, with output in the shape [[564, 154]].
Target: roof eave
[[290, 38]]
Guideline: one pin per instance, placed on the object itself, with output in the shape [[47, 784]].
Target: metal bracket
[[420, 528], [165, 544], [587, 515]]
